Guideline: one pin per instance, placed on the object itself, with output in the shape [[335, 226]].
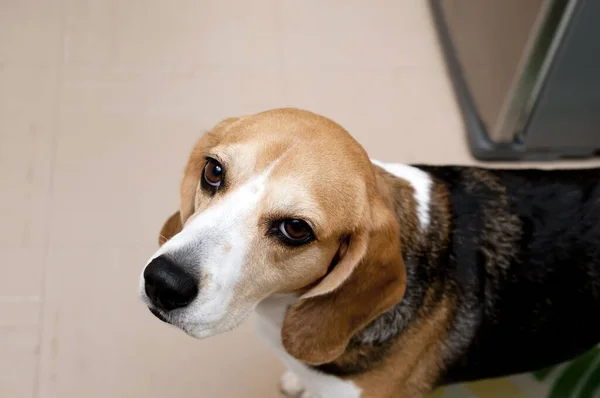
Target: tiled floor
[[101, 100]]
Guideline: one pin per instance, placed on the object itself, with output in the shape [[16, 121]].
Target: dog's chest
[[271, 313]]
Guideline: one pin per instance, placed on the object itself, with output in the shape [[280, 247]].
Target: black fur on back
[[528, 242]]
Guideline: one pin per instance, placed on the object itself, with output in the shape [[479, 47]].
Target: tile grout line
[[61, 37]]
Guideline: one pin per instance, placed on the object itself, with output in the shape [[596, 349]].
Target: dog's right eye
[[213, 173]]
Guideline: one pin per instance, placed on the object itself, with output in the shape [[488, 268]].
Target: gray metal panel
[[567, 113], [492, 40], [550, 26]]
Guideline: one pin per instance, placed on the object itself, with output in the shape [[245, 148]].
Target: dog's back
[[529, 242]]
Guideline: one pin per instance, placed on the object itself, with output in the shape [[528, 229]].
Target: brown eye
[[297, 231], [213, 173]]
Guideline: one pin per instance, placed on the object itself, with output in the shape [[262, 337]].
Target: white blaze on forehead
[[419, 180]]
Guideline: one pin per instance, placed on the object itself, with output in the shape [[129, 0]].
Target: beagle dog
[[377, 280]]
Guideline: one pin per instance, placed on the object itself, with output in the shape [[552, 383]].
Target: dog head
[[284, 201]]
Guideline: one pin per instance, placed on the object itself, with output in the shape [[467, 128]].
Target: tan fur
[[195, 165], [414, 362], [399, 196]]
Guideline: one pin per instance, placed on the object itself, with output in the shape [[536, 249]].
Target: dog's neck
[[424, 249]]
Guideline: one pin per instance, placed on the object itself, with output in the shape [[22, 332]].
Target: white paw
[[291, 385]]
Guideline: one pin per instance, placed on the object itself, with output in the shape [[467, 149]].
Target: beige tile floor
[[100, 102]]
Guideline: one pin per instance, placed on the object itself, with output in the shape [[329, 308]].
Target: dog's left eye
[[296, 231]]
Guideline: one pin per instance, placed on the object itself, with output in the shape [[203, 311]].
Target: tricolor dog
[[376, 280]]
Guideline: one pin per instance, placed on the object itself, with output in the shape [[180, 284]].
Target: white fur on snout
[[215, 244]]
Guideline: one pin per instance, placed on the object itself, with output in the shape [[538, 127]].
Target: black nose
[[169, 286]]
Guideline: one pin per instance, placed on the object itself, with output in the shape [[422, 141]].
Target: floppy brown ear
[[170, 228], [367, 281]]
